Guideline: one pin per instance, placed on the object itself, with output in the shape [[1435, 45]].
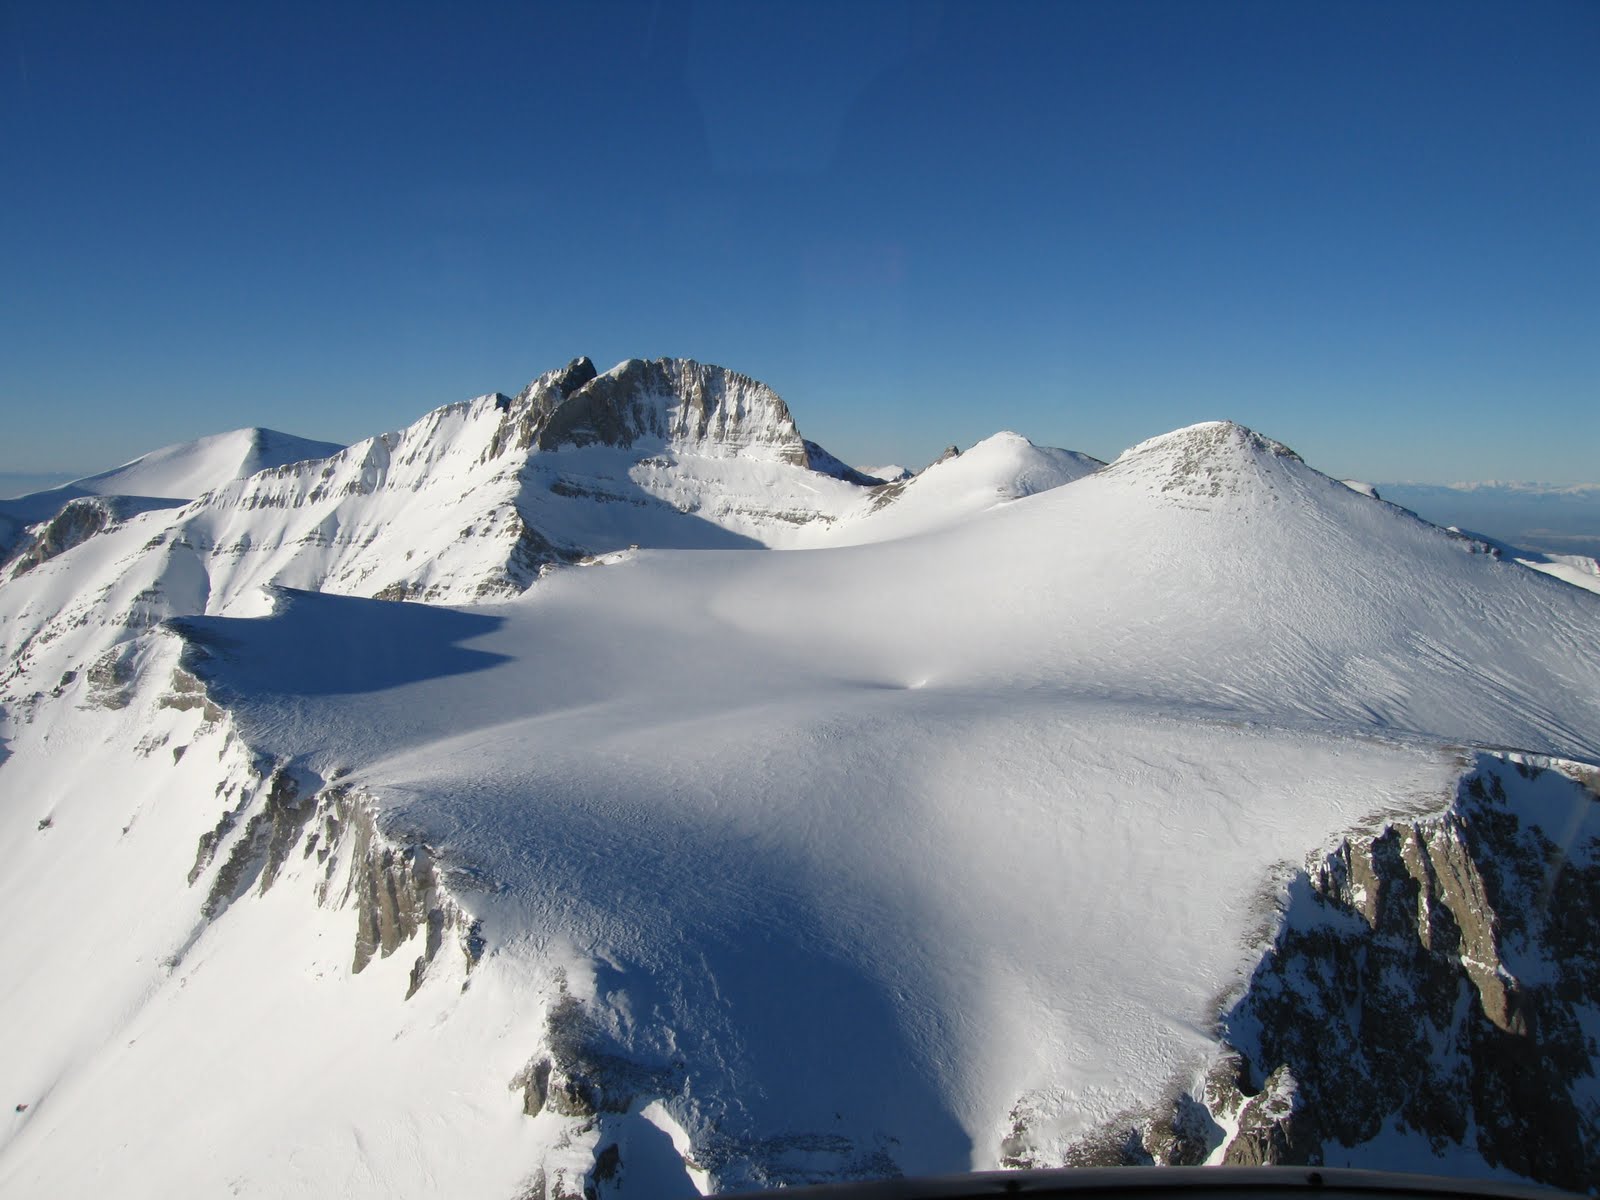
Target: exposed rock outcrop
[[1436, 978], [529, 411], [580, 1073], [394, 887], [715, 411], [259, 852], [110, 680], [1276, 1127], [1439, 977], [77, 522]]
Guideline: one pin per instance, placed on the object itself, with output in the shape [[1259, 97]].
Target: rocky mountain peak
[[717, 412], [546, 393]]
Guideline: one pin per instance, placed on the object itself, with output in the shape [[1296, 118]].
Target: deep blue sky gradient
[[1369, 230]]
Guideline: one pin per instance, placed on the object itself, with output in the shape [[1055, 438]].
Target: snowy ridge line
[[1579, 570]]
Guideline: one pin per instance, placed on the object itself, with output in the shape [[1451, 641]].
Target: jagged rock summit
[[693, 407]]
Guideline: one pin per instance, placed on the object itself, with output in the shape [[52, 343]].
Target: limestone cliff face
[[705, 409], [529, 412], [1442, 977], [394, 887], [277, 815], [1434, 978]]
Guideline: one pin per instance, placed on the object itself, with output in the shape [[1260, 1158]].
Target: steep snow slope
[[712, 869]]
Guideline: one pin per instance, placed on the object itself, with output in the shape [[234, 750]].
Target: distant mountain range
[[605, 791], [1556, 518]]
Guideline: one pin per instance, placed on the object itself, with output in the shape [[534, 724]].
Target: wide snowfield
[[853, 849]]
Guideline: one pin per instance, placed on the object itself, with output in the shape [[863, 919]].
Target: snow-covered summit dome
[[1211, 459]]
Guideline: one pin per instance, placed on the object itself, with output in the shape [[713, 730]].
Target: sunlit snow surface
[[859, 846], [179, 472]]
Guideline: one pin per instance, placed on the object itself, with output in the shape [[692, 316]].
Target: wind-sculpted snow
[[699, 868]]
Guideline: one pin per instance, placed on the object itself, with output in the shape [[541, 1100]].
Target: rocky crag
[[1434, 980]]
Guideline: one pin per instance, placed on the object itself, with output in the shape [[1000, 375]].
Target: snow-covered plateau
[[604, 791]]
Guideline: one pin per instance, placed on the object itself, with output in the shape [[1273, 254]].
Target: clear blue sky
[[1369, 230]]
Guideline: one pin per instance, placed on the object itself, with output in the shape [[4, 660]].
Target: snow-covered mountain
[[470, 503], [163, 478], [1194, 808]]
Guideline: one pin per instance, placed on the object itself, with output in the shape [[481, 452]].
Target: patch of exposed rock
[[111, 678], [77, 522], [395, 887], [258, 853], [1205, 461], [529, 411], [580, 1072]]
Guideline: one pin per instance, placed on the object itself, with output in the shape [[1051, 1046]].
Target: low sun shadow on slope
[[587, 498], [829, 1086], [317, 644], [834, 1055]]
